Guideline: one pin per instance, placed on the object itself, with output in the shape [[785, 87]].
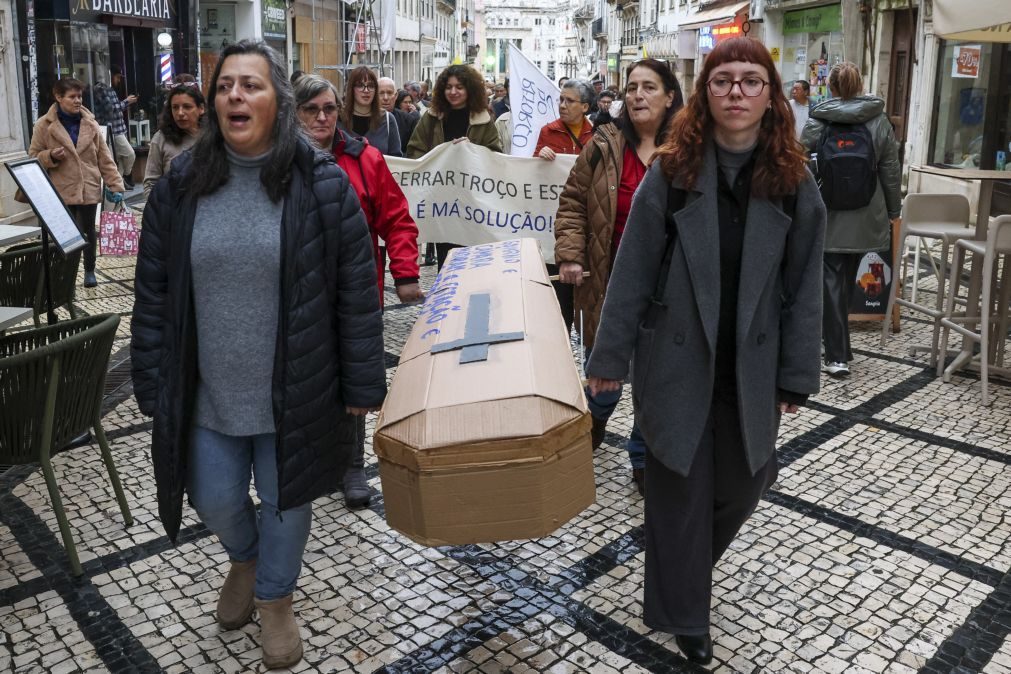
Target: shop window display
[[810, 56], [217, 31], [969, 125], [90, 56], [812, 44]]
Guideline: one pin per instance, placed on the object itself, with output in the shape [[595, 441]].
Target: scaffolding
[[335, 36]]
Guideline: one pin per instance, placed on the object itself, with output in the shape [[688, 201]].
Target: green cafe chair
[[51, 386]]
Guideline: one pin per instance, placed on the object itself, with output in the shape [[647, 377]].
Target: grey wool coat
[[778, 314]]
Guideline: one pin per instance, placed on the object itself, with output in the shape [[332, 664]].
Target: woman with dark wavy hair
[[715, 299], [257, 336], [594, 208], [459, 112], [181, 122], [362, 116]]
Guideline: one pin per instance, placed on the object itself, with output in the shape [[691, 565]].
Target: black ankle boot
[[597, 432], [356, 489], [698, 648], [639, 477]]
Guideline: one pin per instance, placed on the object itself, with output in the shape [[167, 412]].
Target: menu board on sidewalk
[[47, 204]]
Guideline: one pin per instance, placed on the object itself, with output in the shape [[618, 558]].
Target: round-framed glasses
[[750, 86]]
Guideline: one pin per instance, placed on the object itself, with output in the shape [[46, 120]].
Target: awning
[[976, 21], [709, 17]]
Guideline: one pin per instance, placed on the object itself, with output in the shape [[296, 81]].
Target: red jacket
[[556, 136], [385, 206]]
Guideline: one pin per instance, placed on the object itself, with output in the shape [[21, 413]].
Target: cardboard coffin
[[485, 434]]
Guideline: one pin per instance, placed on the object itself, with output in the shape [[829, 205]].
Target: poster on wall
[[965, 62], [275, 24], [818, 67]]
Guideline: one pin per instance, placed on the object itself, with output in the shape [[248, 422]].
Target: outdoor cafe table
[[12, 315], [986, 179], [13, 233]]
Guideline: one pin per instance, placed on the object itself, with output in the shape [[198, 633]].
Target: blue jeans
[[602, 406], [218, 485]]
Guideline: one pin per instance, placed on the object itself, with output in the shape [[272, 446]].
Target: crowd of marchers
[[707, 265]]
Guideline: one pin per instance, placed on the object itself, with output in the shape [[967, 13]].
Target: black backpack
[[847, 166]]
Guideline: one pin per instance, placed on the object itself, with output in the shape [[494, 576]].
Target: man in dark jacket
[[109, 112], [406, 121], [500, 104]]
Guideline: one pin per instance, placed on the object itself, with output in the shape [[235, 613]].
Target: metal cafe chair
[[22, 279], [928, 216], [51, 385]]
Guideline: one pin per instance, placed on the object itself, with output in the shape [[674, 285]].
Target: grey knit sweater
[[236, 260]]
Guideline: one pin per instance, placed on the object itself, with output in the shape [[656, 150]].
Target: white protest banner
[[533, 99], [465, 193]]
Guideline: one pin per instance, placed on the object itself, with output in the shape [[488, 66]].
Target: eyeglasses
[[562, 100], [314, 110], [749, 86], [365, 86]]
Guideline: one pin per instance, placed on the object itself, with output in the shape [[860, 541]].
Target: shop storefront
[[812, 44], [613, 78], [84, 39], [223, 23], [217, 31], [702, 31], [629, 54], [972, 116]]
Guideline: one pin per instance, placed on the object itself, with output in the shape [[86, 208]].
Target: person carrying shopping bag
[[68, 143]]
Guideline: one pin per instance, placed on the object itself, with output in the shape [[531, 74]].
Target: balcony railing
[[583, 13], [597, 28], [450, 4]]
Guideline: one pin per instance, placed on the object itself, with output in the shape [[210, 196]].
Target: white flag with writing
[[533, 100], [387, 24]]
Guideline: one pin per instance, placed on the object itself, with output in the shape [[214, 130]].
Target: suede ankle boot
[[235, 605], [279, 637]]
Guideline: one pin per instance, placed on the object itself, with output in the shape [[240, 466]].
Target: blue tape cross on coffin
[[476, 337]]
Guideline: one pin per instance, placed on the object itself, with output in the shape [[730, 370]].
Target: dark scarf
[[72, 123], [455, 124]]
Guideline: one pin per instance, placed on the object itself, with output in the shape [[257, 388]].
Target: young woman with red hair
[[715, 298]]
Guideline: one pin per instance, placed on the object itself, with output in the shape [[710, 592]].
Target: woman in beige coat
[[68, 143], [594, 207]]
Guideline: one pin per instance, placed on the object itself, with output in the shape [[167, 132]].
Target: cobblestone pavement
[[882, 548]]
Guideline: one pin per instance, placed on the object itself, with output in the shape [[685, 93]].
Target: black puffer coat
[[330, 335]]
